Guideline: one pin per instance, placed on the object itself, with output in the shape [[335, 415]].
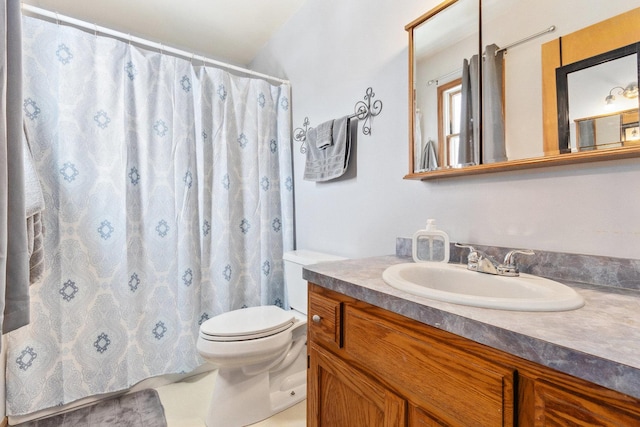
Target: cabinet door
[[341, 396], [555, 406], [447, 382], [325, 319]]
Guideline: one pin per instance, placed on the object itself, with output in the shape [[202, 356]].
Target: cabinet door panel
[[555, 406], [324, 319], [447, 382], [341, 396]]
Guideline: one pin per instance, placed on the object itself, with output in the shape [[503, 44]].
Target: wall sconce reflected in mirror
[[630, 92]]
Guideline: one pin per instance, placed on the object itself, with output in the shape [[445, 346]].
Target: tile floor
[[186, 403]]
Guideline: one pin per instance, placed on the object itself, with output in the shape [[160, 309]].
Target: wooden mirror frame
[[410, 28], [607, 35]]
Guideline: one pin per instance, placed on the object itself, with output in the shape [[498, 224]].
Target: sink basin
[[454, 283]]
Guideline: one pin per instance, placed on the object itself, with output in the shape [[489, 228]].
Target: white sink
[[454, 283]]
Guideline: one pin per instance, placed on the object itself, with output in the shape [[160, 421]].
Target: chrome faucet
[[484, 263]]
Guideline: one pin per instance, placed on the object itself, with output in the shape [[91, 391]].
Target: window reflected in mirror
[[449, 117]]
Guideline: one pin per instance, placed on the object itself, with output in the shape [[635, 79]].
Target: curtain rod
[[159, 46], [526, 39], [444, 76]]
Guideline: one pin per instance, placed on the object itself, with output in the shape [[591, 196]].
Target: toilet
[[260, 352]]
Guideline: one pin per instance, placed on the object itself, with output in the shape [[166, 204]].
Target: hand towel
[[587, 136], [324, 135], [332, 161], [34, 205], [35, 236], [429, 159]]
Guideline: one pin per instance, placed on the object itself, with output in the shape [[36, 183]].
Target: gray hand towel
[[332, 161], [34, 205], [35, 236], [324, 135], [33, 198], [429, 159]]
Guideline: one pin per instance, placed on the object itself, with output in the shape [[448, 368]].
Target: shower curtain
[[493, 143], [168, 193], [469, 151]]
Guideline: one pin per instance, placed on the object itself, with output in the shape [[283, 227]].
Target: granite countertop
[[599, 342]]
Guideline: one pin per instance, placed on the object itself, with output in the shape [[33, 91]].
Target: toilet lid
[[247, 323]]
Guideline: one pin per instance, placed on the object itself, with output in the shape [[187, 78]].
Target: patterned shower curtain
[[168, 193]]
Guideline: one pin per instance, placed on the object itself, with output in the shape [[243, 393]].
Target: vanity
[[381, 356]]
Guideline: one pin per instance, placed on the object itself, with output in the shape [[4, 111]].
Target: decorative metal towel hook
[[300, 135], [365, 111]]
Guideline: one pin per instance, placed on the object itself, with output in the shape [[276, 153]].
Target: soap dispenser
[[430, 244]]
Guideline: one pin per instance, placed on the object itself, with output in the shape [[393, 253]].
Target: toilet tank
[[296, 286]]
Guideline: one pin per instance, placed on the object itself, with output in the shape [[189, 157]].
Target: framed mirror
[[444, 90], [598, 101], [534, 39]]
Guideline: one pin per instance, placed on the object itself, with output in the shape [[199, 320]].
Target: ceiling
[[229, 30]]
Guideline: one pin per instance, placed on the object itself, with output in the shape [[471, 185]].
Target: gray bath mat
[[139, 409]]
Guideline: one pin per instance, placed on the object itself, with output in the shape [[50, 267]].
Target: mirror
[[443, 48], [606, 115], [523, 32]]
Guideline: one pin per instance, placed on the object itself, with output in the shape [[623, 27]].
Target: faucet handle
[[460, 245], [473, 252], [508, 268], [510, 256]]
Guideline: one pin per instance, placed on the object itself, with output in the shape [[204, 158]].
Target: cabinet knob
[[316, 318]]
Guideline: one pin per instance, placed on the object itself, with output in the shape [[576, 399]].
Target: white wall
[[332, 50]]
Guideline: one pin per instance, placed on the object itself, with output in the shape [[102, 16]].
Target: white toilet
[[260, 352]]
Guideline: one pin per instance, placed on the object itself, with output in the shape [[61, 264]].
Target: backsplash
[[596, 270]]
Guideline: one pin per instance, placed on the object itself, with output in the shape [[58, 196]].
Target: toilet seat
[[247, 324]]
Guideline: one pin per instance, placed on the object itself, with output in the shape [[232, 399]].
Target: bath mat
[[139, 409]]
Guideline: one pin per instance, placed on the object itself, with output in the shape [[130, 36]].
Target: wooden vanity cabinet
[[383, 369], [345, 396], [371, 367], [555, 405]]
